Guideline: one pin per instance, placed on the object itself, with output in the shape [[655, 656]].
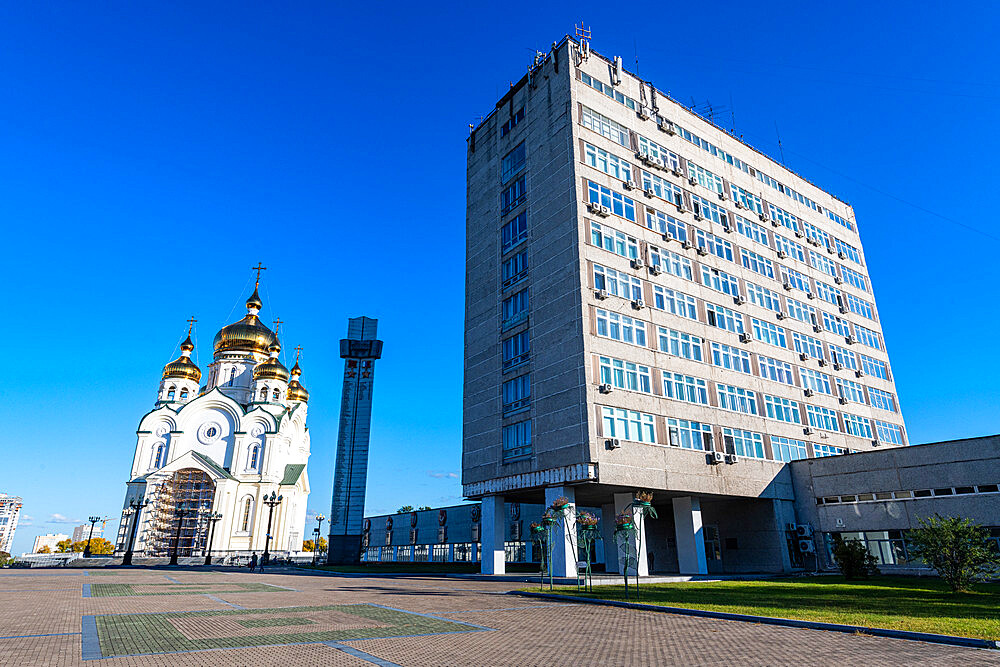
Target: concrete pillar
[[395, 554], [475, 552], [564, 552], [690, 537], [608, 537], [784, 512], [638, 545], [491, 536], [451, 553]]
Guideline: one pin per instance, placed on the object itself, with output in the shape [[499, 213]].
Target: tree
[[64, 546], [308, 545], [98, 545], [424, 507], [321, 545], [959, 549], [404, 509], [45, 550], [853, 558]]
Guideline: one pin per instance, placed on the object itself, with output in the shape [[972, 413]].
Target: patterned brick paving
[[43, 624]]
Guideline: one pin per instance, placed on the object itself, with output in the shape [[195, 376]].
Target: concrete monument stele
[[359, 350]]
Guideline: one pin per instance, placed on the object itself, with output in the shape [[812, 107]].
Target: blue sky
[[152, 154]]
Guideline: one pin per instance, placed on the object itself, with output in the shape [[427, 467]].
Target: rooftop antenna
[[582, 32], [781, 150], [635, 50]]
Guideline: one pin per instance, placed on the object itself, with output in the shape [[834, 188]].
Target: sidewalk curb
[[952, 640]]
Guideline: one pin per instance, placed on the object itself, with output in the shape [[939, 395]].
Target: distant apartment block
[[10, 511]]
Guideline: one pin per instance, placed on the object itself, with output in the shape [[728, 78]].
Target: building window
[[782, 410], [516, 393], [867, 337], [720, 281], [859, 426], [512, 122], [751, 230], [874, 367], [820, 451], [852, 391], [843, 356], [750, 201], [665, 224], [794, 279], [680, 344], [254, 453], [170, 394], [822, 262], [829, 293], [783, 217], [232, 377], [604, 126], [160, 458], [788, 449], [763, 297], [628, 425], [689, 434], [609, 163], [617, 283], [614, 241], [743, 443], [714, 244], [685, 388], [625, 375], [184, 394], [513, 196], [822, 418], [662, 188], [275, 395], [757, 263], [836, 324], [802, 312], [514, 269], [516, 350], [671, 262], [654, 150], [733, 358], [852, 277], [808, 345], [515, 308], [514, 231], [882, 400], [705, 178], [818, 382], [512, 163], [263, 393], [620, 205], [517, 440], [859, 306], [849, 251], [776, 370], [736, 399], [768, 333], [891, 433], [675, 302], [247, 507], [724, 318], [621, 328], [789, 247]]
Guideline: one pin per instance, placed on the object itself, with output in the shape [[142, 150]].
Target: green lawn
[[899, 603]]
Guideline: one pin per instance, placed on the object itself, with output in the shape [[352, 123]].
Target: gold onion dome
[[247, 335], [272, 369], [183, 368], [296, 392]]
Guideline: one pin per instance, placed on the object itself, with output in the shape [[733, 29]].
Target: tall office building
[[10, 511], [653, 304]]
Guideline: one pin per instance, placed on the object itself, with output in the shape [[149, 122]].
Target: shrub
[[853, 558], [957, 548]]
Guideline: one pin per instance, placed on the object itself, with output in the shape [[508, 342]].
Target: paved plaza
[[179, 617]]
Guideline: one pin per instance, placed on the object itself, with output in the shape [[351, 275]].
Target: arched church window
[[160, 456], [232, 377], [276, 394], [247, 506], [184, 394], [170, 394], [254, 452], [263, 393]]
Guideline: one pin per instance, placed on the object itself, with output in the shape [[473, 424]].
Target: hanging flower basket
[[560, 503], [644, 498], [586, 520]]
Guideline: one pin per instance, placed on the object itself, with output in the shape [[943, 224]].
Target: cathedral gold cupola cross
[[277, 324], [298, 352], [260, 267], [191, 324]]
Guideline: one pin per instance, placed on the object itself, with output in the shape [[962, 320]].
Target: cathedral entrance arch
[[193, 490]]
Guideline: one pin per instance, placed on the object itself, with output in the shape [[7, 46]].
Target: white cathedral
[[222, 448]]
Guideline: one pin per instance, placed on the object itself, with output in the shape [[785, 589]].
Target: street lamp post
[[182, 511], [318, 530], [271, 501], [213, 519], [135, 508], [93, 520]]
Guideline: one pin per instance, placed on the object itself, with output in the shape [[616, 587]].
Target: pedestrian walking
[[253, 561]]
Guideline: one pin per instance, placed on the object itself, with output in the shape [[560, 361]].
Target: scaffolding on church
[[192, 490]]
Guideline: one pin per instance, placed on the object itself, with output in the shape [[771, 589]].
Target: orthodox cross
[[298, 352], [191, 324], [260, 267], [277, 324]]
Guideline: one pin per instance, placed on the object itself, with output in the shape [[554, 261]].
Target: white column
[[690, 538], [491, 537], [564, 552], [608, 537], [637, 546]]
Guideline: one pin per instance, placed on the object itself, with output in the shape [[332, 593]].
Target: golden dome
[[295, 369], [247, 335], [182, 368], [272, 369], [296, 392]]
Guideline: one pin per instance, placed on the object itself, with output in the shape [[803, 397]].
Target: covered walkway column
[[492, 557], [564, 552], [690, 538], [637, 539]]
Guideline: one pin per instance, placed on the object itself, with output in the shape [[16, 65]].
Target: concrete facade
[[596, 205]]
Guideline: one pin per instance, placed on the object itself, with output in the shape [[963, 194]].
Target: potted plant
[[586, 521], [625, 520], [560, 503], [644, 498], [548, 518]]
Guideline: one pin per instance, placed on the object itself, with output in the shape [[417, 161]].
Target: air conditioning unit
[[667, 237], [798, 234], [658, 162], [722, 196], [638, 304], [666, 126], [779, 315], [642, 113], [804, 356], [807, 546], [677, 170], [726, 227], [843, 400], [604, 212], [612, 443], [876, 443], [810, 295], [739, 300], [842, 254], [822, 361], [598, 209], [697, 215], [739, 204], [655, 269], [732, 458], [860, 373], [775, 223], [809, 392], [702, 251], [803, 530], [817, 328], [815, 242], [782, 254], [829, 250], [787, 285], [605, 388], [744, 338], [640, 156], [837, 366], [628, 185], [602, 294], [851, 340], [843, 310], [715, 457], [838, 280], [681, 208], [693, 181], [637, 263], [807, 430], [648, 192], [763, 217], [686, 245]]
